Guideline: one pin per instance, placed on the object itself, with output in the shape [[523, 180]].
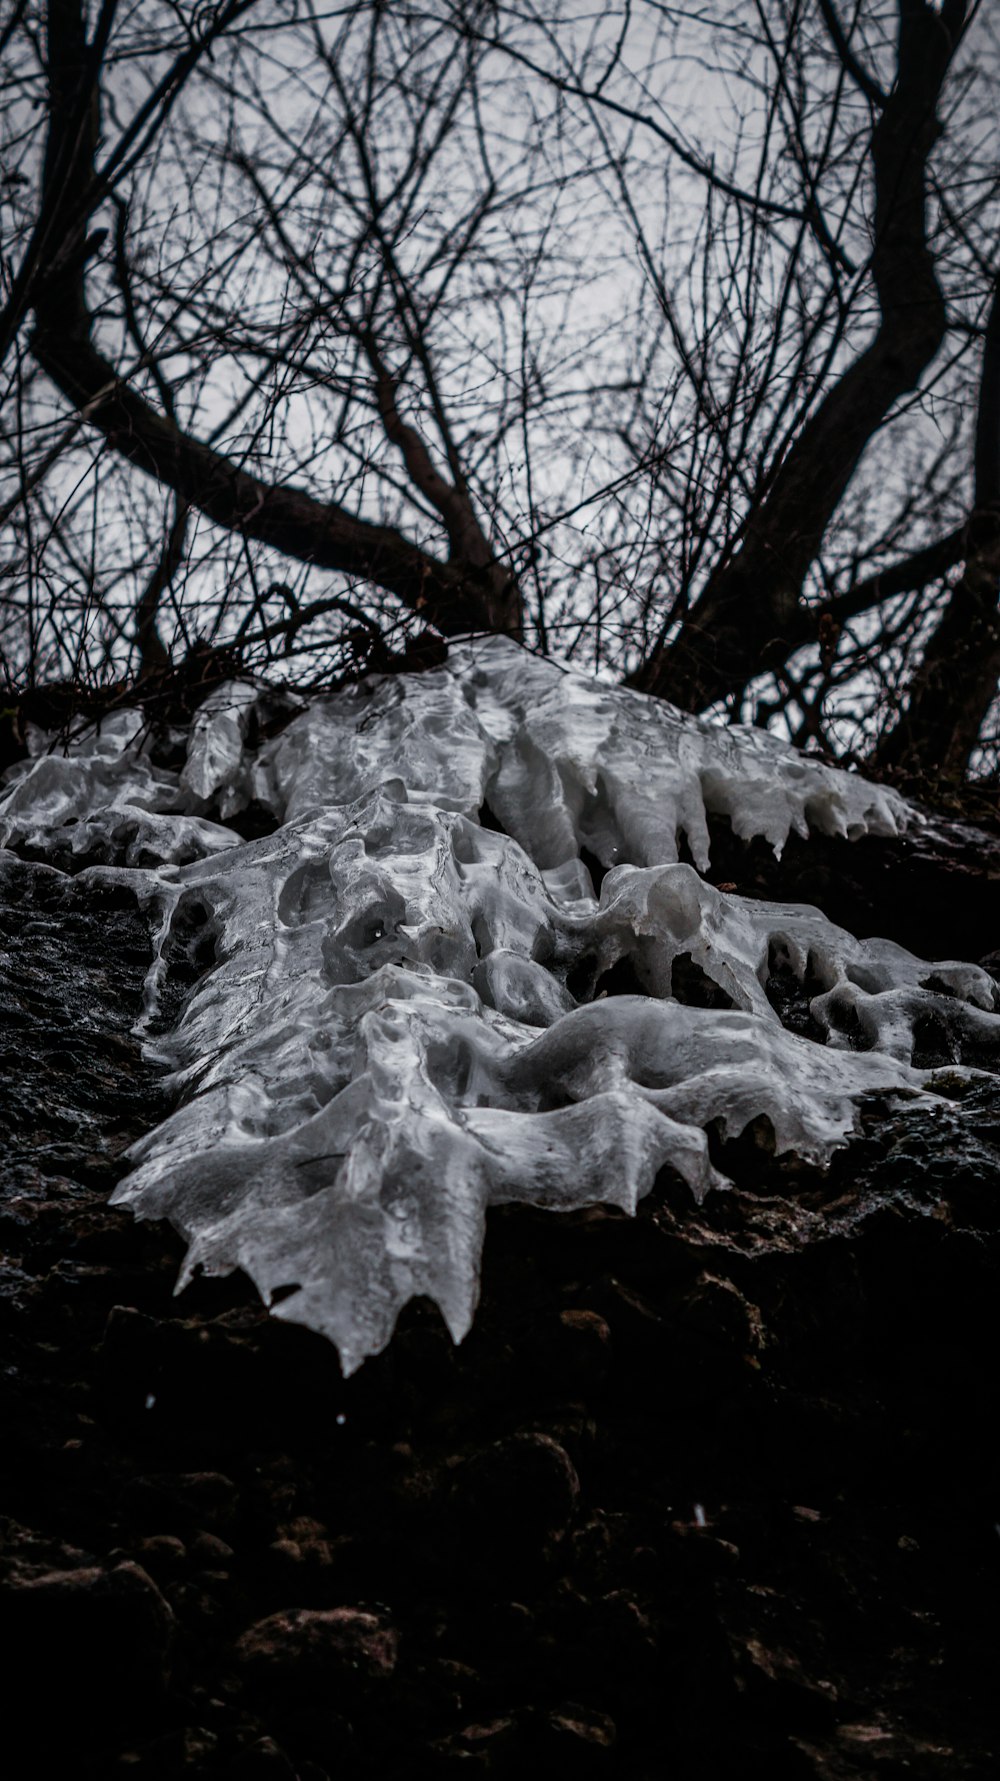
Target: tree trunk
[[749, 617], [956, 682], [456, 595]]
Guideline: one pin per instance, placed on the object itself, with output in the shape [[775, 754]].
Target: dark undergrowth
[[708, 1493]]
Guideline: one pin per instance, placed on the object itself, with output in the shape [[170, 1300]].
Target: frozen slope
[[403, 1020]]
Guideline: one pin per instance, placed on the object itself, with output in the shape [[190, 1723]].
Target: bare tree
[[955, 682], [142, 353], [810, 361], [656, 337]]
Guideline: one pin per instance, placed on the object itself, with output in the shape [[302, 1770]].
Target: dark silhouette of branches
[[750, 614], [664, 338], [956, 680]]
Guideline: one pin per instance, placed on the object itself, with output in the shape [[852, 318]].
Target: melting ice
[[401, 1021]]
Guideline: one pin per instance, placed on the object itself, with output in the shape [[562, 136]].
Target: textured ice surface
[[103, 799], [404, 1015], [564, 762]]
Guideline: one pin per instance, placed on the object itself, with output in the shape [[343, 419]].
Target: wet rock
[[305, 1652], [162, 1555], [198, 1604], [307, 1570], [512, 1626], [628, 1634], [579, 1739], [714, 1340], [487, 1747], [317, 1735], [101, 1637], [192, 1497], [523, 1488], [822, 1515], [572, 1742], [637, 1331], [593, 1548], [131, 1345], [574, 1352], [461, 1681], [211, 1553], [264, 1760], [191, 1754], [775, 1678]]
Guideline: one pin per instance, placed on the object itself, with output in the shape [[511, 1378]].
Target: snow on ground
[[403, 1014]]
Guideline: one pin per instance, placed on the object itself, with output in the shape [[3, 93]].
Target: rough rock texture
[[706, 1492]]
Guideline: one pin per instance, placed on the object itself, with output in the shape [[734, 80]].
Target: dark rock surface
[[706, 1493]]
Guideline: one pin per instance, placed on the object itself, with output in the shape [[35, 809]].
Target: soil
[[710, 1492]]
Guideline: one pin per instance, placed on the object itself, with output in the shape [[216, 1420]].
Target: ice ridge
[[403, 1018]]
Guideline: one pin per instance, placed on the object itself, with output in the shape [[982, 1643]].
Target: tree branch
[[454, 596], [956, 682], [749, 616], [465, 535], [848, 60], [911, 575]]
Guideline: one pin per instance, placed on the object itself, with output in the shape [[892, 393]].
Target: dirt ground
[[706, 1493]]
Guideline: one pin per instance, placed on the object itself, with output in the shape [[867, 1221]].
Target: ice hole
[[845, 1020], [582, 977], [621, 979], [690, 984], [598, 871], [278, 1293], [939, 985], [933, 1044], [748, 1155]]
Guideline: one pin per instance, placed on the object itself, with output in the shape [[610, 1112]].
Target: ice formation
[[404, 1016]]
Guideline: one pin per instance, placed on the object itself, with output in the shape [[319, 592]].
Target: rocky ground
[[706, 1493]]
